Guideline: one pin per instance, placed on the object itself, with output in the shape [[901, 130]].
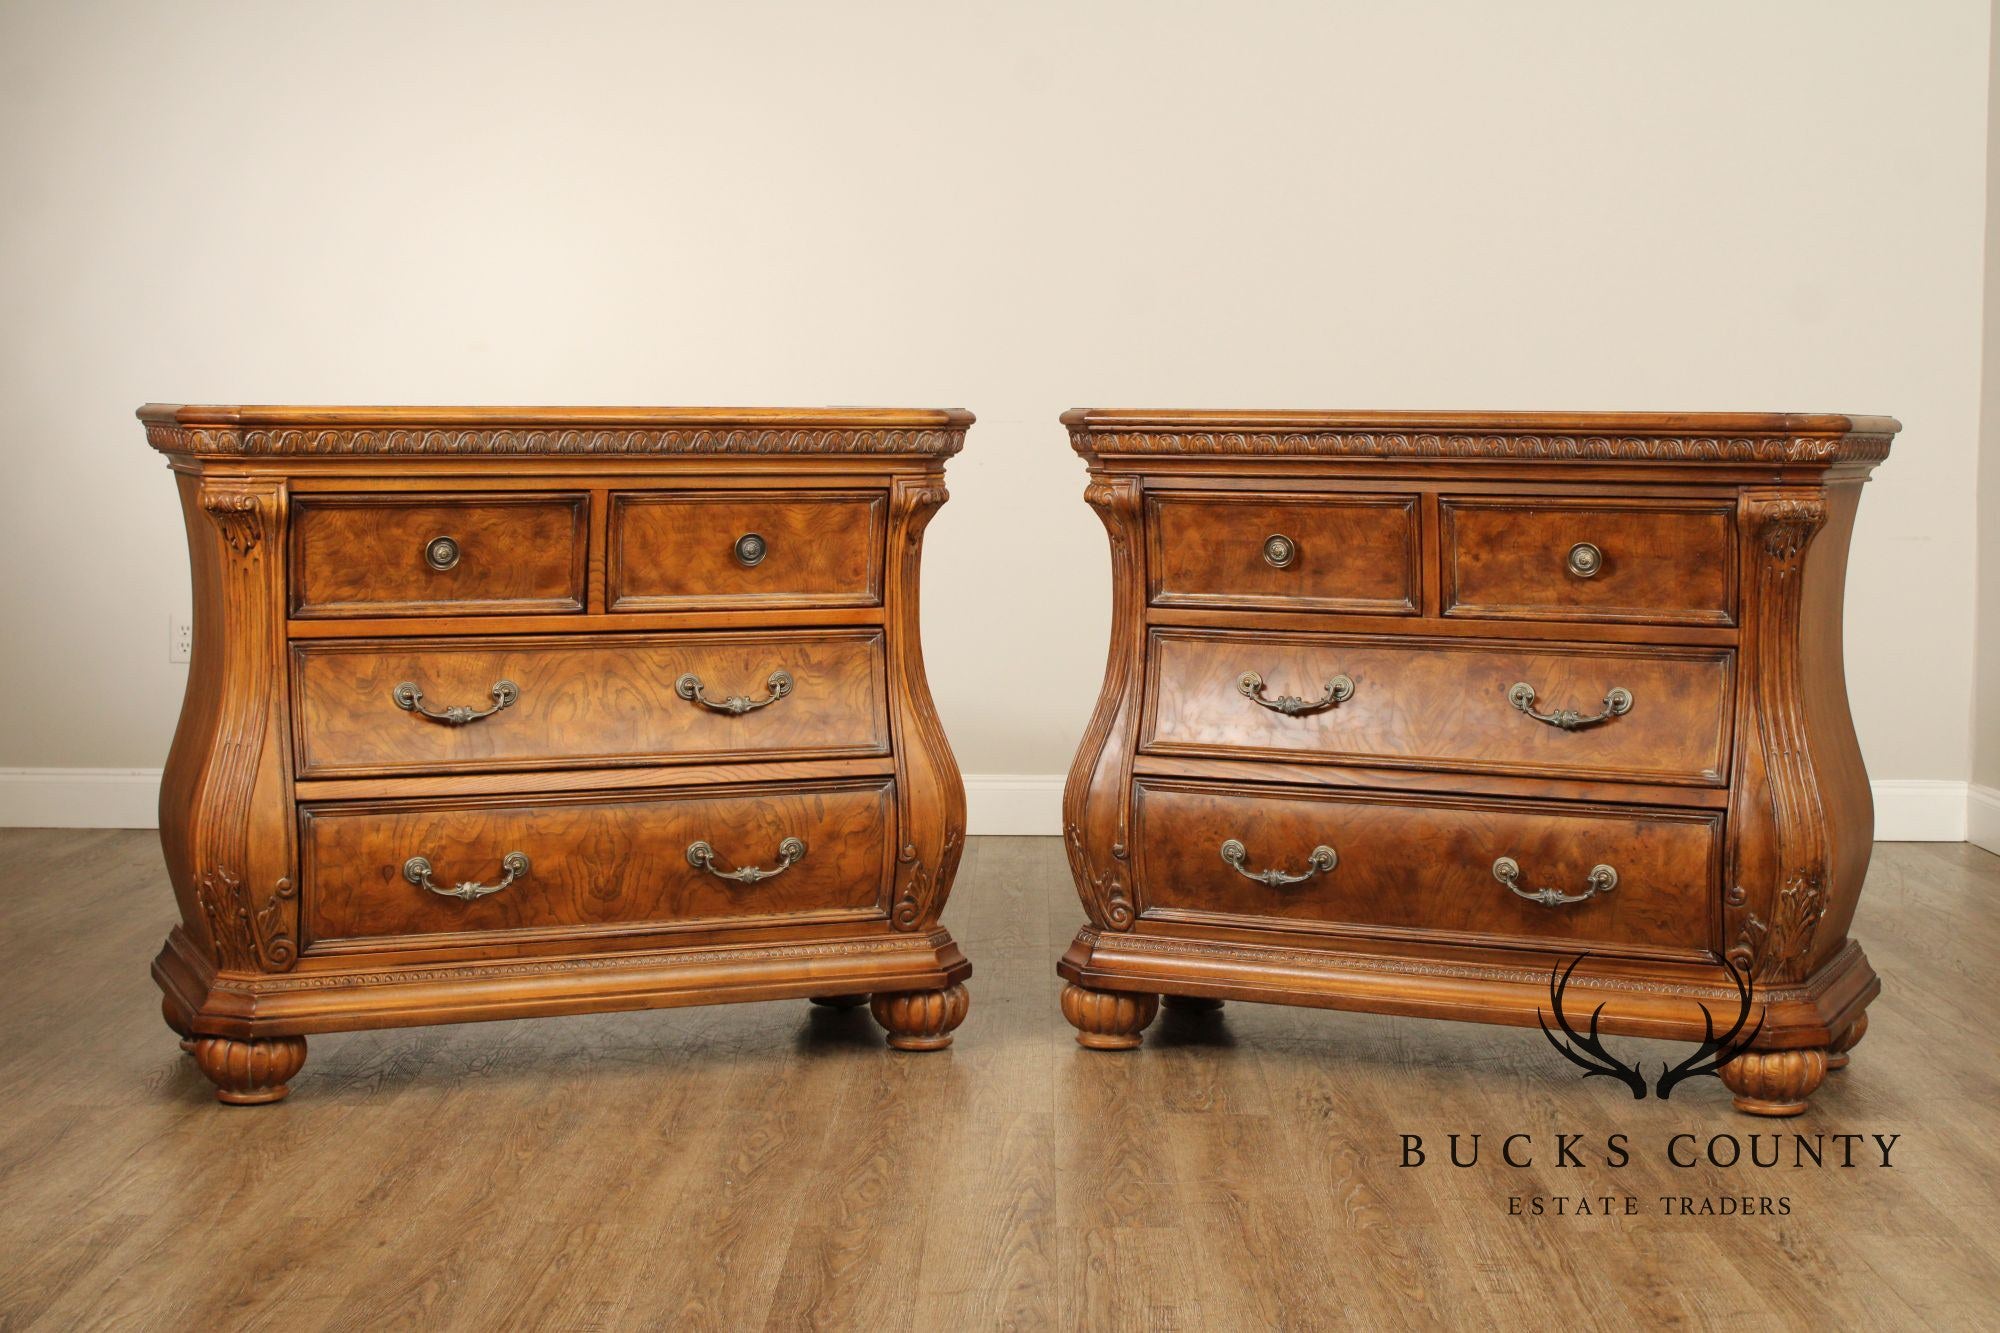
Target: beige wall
[[1986, 714], [1014, 208]]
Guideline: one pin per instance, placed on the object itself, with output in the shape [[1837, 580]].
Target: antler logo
[[1589, 1054]]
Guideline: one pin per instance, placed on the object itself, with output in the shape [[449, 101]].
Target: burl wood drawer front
[[592, 864], [1444, 703], [1548, 559], [437, 555], [1426, 865], [679, 550], [441, 705], [1355, 553]]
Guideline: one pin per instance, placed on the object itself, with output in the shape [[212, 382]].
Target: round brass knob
[[1280, 550], [751, 548], [441, 552], [1585, 560]]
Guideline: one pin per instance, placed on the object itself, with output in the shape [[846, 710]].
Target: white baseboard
[[79, 798], [1016, 803], [1920, 810], [1906, 809], [1982, 817]]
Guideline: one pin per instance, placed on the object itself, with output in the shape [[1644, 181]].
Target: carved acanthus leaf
[[249, 936]]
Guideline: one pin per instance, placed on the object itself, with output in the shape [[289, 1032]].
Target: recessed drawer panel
[[1447, 867], [442, 705], [679, 550], [437, 555], [1670, 563], [1630, 714], [417, 871], [1354, 553]]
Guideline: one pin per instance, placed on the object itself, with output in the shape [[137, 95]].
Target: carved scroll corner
[[1103, 888], [249, 936]]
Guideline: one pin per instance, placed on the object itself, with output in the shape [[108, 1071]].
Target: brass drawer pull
[[411, 700], [702, 857], [1603, 879], [1617, 703], [417, 870], [689, 687], [751, 548], [1585, 560], [1322, 860], [441, 553], [1280, 551], [1338, 691]]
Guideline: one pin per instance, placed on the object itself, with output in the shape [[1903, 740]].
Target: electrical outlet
[[180, 636]]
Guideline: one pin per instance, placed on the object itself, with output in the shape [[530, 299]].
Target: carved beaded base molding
[[1404, 709], [499, 713]]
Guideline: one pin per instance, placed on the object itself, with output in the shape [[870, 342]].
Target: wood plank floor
[[775, 1166]]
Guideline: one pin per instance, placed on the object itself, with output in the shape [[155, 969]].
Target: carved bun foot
[[1774, 1082], [1191, 1004], [249, 1073], [921, 1020], [1108, 1020], [840, 1001], [1850, 1036]]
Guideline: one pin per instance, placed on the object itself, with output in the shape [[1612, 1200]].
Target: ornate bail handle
[[1322, 860], [689, 687], [1602, 879], [411, 700], [1338, 691], [1617, 703], [702, 857], [417, 870]]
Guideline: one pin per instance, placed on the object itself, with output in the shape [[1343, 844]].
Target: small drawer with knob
[[417, 873], [744, 549], [1266, 551], [1540, 874], [1660, 562], [404, 554]]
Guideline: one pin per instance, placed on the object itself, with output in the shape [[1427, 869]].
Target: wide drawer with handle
[[1260, 551], [392, 870], [1630, 714], [400, 554], [1669, 562], [1541, 874], [729, 549], [461, 705]]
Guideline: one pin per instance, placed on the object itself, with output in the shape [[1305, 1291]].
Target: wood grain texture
[[1508, 559], [1348, 553], [771, 1165], [676, 550], [1425, 865], [1430, 703], [365, 555], [595, 862], [1550, 551], [587, 701]]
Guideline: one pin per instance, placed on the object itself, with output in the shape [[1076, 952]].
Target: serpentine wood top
[[223, 432], [1682, 437]]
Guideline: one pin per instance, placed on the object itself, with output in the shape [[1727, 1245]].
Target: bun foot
[[1836, 1054], [840, 1001], [1775, 1083], [1108, 1020], [1191, 1004], [920, 1020], [249, 1073]]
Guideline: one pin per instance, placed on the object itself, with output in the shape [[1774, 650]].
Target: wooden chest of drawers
[[497, 713], [1405, 712]]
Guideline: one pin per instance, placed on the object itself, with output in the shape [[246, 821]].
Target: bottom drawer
[[1427, 865], [591, 864]]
